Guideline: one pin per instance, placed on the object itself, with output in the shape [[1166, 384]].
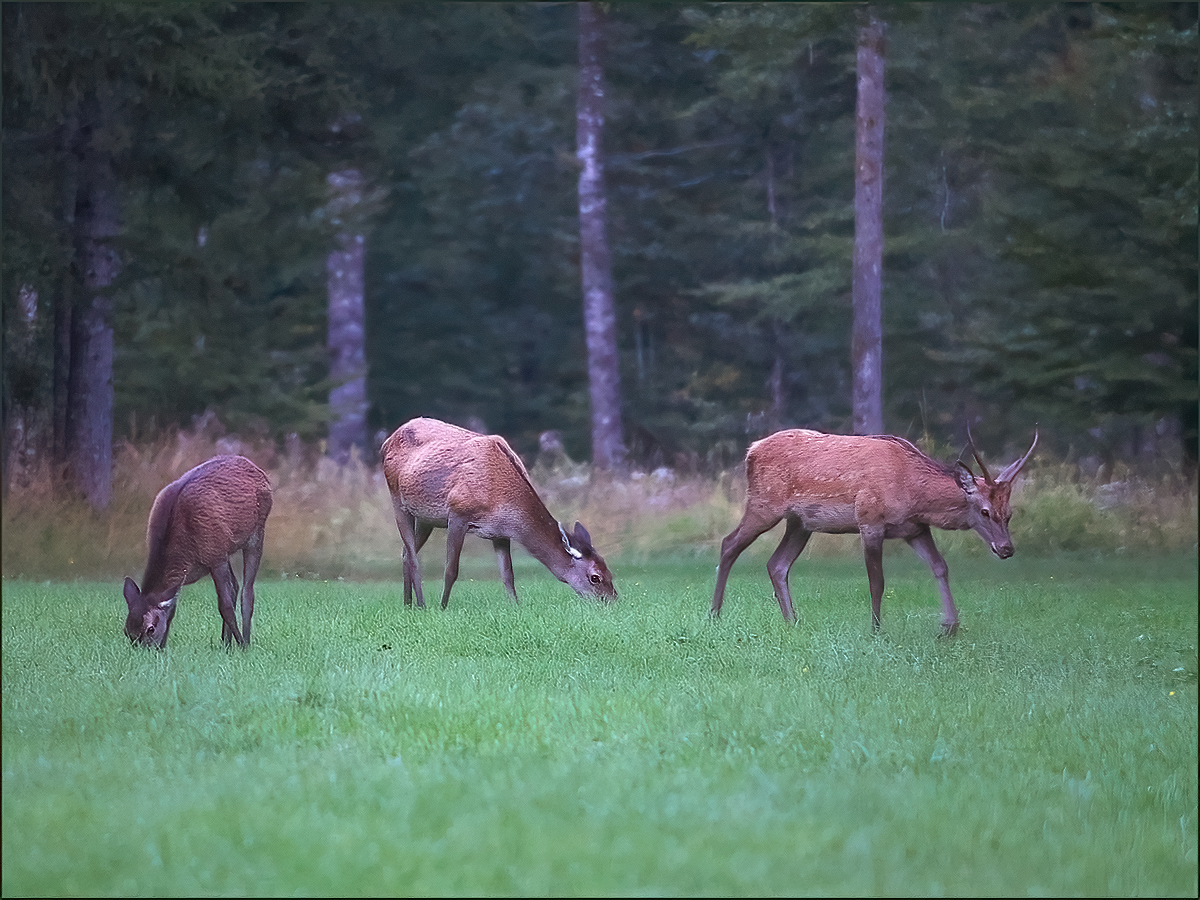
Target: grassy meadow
[[562, 747]]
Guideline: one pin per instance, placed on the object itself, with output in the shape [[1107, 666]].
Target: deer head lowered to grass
[[443, 476], [880, 486], [196, 524]]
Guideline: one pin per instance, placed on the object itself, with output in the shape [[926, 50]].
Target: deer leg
[[735, 542], [227, 590], [872, 540], [456, 531], [503, 548], [226, 635], [251, 557], [422, 532], [925, 548], [412, 568], [780, 563]]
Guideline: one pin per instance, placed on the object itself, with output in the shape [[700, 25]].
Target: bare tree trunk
[[347, 332], [20, 425], [64, 300], [89, 424], [61, 388], [775, 384], [866, 344], [600, 320]]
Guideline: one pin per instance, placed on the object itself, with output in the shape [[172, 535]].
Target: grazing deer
[[443, 476], [880, 486], [196, 524]]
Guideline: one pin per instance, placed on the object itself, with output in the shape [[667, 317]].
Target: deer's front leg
[[780, 563], [503, 548], [925, 548]]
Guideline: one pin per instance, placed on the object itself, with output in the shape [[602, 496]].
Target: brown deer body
[[879, 486], [443, 476], [196, 524]]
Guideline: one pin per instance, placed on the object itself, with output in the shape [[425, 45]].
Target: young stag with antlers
[[880, 486], [196, 524], [443, 476]]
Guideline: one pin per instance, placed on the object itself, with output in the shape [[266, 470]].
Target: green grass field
[[560, 747]]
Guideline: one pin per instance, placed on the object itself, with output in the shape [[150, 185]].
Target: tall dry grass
[[330, 521]]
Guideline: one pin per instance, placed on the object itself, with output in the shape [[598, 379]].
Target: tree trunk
[[347, 332], [866, 345], [23, 415], [775, 383], [89, 410], [600, 320], [66, 290], [63, 313]]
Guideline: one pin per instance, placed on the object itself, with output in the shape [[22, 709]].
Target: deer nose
[[1004, 551]]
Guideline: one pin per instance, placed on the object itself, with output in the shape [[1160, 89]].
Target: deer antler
[[987, 476], [1011, 471]]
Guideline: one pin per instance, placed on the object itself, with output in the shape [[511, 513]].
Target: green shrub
[[1057, 510]]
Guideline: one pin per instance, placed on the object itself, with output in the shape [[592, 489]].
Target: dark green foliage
[[1040, 215], [1054, 239], [213, 128]]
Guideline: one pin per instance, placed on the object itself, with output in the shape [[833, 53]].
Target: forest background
[[187, 176]]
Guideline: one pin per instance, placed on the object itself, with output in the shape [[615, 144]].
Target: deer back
[[416, 433], [476, 475]]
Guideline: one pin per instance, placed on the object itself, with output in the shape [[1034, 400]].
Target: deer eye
[[987, 513], [594, 578]]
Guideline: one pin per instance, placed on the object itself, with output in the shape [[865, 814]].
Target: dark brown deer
[[443, 476], [880, 486], [196, 524]]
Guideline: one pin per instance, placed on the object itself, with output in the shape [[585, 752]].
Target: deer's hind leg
[[872, 542], [251, 558], [735, 542], [227, 592], [456, 532], [406, 523], [412, 573]]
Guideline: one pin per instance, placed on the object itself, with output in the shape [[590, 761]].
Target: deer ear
[[966, 478], [582, 538], [567, 542], [132, 594]]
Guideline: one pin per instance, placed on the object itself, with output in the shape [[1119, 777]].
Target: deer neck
[[945, 506], [544, 541]]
